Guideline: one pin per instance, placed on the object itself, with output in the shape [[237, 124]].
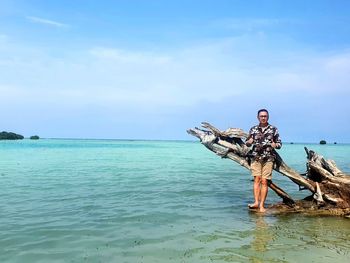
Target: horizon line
[[184, 140]]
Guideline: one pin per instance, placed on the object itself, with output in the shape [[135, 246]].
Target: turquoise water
[[152, 201]]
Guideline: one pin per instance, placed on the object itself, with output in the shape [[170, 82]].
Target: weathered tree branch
[[330, 187]]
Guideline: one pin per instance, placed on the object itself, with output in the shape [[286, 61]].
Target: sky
[[152, 69]]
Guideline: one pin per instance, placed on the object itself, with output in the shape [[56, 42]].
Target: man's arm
[[277, 143], [250, 139], [249, 142]]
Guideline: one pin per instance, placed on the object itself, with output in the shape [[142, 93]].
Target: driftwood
[[329, 187]]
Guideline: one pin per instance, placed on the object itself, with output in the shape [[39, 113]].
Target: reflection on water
[[261, 235], [297, 238], [292, 238]]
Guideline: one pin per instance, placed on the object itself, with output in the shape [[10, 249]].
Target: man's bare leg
[[256, 191], [263, 194]]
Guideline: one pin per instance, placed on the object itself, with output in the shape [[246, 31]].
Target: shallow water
[[152, 201]]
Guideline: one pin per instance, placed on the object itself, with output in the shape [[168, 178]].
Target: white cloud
[[46, 21], [3, 37], [124, 86], [248, 24], [338, 64], [127, 56], [184, 78]]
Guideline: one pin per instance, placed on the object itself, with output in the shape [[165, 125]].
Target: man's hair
[[263, 110]]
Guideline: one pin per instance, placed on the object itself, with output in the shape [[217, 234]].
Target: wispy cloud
[[126, 86], [252, 24], [46, 21], [181, 78], [3, 37], [127, 56]]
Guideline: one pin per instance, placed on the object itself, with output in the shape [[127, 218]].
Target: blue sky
[[152, 69]]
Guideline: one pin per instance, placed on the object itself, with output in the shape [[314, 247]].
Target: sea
[[153, 201]]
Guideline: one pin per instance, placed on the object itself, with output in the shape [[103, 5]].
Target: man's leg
[[266, 175], [256, 191], [256, 169], [263, 194]]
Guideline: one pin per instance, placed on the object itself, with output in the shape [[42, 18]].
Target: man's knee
[[264, 181], [257, 179]]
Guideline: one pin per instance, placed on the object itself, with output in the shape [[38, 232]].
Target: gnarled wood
[[329, 186], [333, 183]]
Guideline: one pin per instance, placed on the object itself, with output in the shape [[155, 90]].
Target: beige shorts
[[263, 169]]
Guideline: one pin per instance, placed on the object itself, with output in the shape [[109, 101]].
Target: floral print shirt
[[263, 137]]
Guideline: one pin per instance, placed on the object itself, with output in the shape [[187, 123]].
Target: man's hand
[[249, 142], [275, 145]]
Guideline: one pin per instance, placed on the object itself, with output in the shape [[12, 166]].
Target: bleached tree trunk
[[329, 187]]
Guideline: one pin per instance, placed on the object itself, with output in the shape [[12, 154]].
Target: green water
[[152, 201]]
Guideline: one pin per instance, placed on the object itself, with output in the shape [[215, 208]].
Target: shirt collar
[[264, 128]]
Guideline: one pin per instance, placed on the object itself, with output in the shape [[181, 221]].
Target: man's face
[[263, 117]]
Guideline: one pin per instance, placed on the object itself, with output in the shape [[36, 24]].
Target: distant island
[[34, 137], [323, 142], [10, 136]]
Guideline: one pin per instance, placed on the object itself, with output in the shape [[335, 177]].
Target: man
[[264, 138]]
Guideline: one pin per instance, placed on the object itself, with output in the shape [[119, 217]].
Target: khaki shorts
[[263, 169]]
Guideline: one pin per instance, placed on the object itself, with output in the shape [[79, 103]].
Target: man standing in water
[[264, 138]]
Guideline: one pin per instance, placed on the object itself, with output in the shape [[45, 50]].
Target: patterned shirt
[[263, 137]]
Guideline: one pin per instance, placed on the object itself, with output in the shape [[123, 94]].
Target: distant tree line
[[10, 136]]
